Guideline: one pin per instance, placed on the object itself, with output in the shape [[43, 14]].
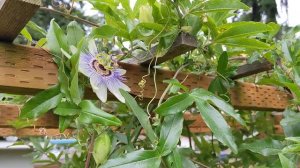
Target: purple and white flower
[[103, 73]]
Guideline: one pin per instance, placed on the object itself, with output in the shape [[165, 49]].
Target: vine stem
[[169, 86], [201, 164], [91, 146], [86, 22]]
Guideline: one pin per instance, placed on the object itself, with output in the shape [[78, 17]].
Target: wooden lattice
[[48, 123], [28, 70]]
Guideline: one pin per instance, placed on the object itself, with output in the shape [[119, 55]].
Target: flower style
[[103, 72]]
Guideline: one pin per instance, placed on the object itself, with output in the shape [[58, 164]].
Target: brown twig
[[238, 58], [86, 22], [91, 146]]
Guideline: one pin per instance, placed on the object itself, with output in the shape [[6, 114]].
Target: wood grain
[[28, 70], [14, 15]]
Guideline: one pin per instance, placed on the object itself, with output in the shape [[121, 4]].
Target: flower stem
[[90, 151]]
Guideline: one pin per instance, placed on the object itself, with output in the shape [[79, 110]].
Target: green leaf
[[293, 139], [140, 115], [67, 109], [218, 86], [194, 22], [74, 33], [295, 148], [102, 147], [274, 28], [244, 30], [215, 121], [36, 28], [152, 26], [136, 159], [285, 162], [56, 39], [76, 91], [41, 42], [21, 123], [264, 147], [286, 52], [41, 103], [26, 34], [204, 95], [175, 104], [290, 123], [91, 114], [244, 42], [63, 80], [174, 159], [64, 123], [222, 63], [294, 88], [222, 5], [170, 133], [105, 31], [176, 83]]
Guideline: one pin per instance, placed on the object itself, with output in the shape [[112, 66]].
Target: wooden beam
[[253, 68], [14, 15], [29, 132], [48, 123], [28, 70], [183, 43]]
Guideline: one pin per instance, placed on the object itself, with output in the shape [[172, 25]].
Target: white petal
[[86, 70], [124, 87], [84, 65], [113, 87], [122, 71], [93, 48], [100, 90]]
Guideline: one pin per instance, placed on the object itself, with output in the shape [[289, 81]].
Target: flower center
[[100, 68]]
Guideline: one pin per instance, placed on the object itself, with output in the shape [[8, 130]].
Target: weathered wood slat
[[28, 70], [48, 123], [253, 68], [14, 15], [29, 132]]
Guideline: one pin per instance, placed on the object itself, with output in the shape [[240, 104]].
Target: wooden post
[[14, 15]]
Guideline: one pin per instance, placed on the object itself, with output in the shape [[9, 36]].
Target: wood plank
[[10, 112], [48, 123], [14, 15], [253, 68], [27, 70], [29, 132], [183, 43]]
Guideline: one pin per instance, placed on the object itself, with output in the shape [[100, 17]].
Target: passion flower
[[103, 72]]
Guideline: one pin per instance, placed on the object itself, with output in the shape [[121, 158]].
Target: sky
[[292, 18]]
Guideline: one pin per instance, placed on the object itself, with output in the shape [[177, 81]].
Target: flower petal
[[93, 48], [121, 71], [85, 64], [123, 86], [113, 86], [101, 92], [99, 87]]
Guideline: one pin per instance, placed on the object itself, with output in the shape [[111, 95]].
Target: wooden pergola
[[28, 70]]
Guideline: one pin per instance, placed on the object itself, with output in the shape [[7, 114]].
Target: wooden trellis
[[28, 70]]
